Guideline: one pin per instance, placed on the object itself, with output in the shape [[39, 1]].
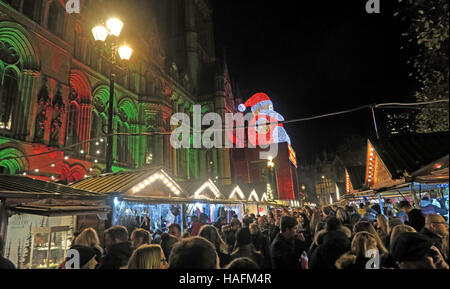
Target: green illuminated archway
[[14, 166], [17, 36]]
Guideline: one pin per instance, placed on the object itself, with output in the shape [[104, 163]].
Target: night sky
[[315, 57]]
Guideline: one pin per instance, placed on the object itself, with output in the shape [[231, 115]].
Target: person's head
[[341, 214], [332, 224], [88, 237], [364, 226], [243, 237], [246, 221], [416, 251], [395, 221], [195, 253], [140, 237], [115, 235], [167, 243], [194, 219], [254, 229], [175, 230], [263, 222], [289, 226], [436, 224], [242, 264], [148, 257], [87, 256], [362, 206], [235, 224], [252, 216], [315, 219], [186, 234], [211, 234], [405, 206], [382, 224], [400, 229], [363, 242]]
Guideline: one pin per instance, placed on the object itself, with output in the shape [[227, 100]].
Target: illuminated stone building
[[55, 88]]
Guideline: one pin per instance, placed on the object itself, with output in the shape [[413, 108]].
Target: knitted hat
[[256, 101], [410, 246]]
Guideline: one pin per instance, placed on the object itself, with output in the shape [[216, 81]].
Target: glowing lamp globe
[[100, 33], [114, 26], [125, 52]]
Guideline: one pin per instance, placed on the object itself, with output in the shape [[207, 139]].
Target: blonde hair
[[363, 242], [315, 221], [364, 226], [445, 246], [146, 257], [400, 229], [89, 238], [383, 225]]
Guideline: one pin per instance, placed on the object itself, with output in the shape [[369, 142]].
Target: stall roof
[[114, 182], [357, 176], [411, 152], [194, 188], [21, 186], [131, 183]]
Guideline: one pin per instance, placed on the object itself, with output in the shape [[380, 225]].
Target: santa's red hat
[[256, 101]]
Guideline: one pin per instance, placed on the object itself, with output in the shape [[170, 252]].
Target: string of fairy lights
[[98, 141]]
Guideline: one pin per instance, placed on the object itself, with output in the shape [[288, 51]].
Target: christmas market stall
[[148, 199], [38, 219], [207, 201], [406, 167]]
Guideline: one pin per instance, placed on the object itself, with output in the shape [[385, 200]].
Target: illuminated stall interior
[[148, 199], [207, 198], [38, 219]]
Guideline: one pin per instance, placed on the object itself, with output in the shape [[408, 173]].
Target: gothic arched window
[[9, 93], [55, 18], [72, 125]]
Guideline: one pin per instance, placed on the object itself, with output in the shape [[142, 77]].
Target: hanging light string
[[391, 105]]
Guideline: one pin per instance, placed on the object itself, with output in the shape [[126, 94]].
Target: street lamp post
[[272, 176], [113, 28]]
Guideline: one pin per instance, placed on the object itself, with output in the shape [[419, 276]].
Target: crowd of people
[[333, 237]]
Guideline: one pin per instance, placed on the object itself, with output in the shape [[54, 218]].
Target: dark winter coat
[[416, 219], [230, 239], [437, 241], [286, 253], [273, 232], [248, 251], [117, 256], [5, 264], [262, 245], [335, 243], [224, 259]]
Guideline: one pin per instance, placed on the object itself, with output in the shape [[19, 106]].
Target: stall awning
[[202, 189], [410, 152], [12, 186], [60, 210], [145, 183]]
